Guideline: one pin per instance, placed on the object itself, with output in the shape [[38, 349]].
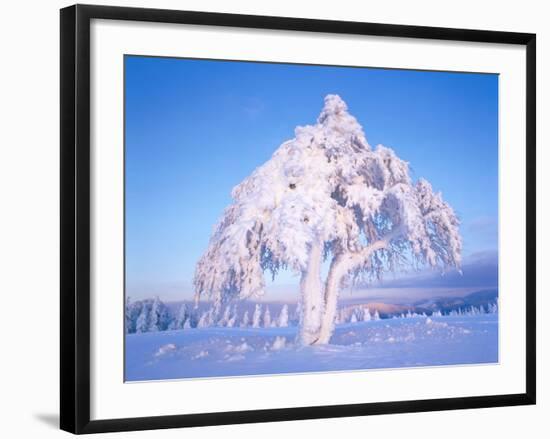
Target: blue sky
[[196, 128]]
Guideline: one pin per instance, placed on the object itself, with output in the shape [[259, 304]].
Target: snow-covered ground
[[387, 343]]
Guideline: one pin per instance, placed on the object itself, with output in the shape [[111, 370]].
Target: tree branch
[[348, 261]]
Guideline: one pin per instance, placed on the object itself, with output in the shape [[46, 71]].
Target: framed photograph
[[268, 218]]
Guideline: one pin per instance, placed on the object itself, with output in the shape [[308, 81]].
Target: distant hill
[[447, 304]]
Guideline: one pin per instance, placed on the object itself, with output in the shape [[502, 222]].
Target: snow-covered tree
[[376, 315], [131, 315], [366, 315], [326, 194], [246, 320], [267, 317], [226, 316], [128, 323], [182, 317], [298, 316], [256, 317], [202, 320], [207, 318], [142, 323], [282, 321], [159, 319], [232, 317], [192, 318], [353, 318]]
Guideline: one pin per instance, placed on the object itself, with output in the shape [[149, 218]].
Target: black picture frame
[[75, 217]]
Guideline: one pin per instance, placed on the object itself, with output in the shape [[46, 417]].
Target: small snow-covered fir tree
[[257, 316], [142, 323], [154, 315], [202, 320], [207, 318], [233, 317], [282, 321], [245, 321], [193, 318], [128, 323], [366, 315], [298, 316], [159, 317], [226, 316], [353, 318], [267, 317], [132, 312], [326, 194], [182, 317]]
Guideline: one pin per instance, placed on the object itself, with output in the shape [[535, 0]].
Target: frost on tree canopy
[[327, 186]]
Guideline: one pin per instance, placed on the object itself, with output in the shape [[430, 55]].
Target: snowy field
[[387, 343]]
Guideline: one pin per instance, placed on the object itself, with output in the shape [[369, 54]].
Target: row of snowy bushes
[[152, 315], [361, 314], [149, 315], [356, 314], [490, 308]]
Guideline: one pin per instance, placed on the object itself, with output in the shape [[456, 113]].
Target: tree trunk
[[312, 297], [332, 291], [340, 266]]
